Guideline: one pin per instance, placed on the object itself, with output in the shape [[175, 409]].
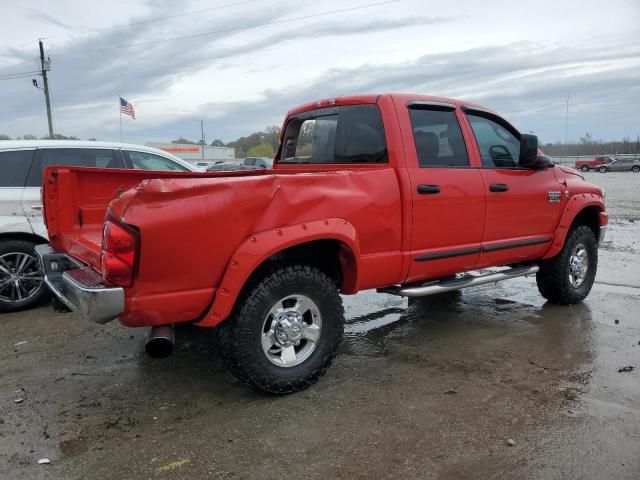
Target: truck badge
[[554, 197]]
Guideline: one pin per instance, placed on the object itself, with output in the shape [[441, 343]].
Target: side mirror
[[528, 150], [542, 162]]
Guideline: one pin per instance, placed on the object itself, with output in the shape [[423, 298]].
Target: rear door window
[[74, 157], [149, 161], [349, 134], [438, 138], [14, 167]]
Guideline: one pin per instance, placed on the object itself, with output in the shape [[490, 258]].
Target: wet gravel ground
[[422, 389]]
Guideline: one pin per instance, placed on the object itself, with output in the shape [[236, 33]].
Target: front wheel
[[584, 168], [568, 277], [635, 169], [602, 169], [285, 330]]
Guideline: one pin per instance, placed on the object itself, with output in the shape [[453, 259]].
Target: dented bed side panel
[[190, 229]]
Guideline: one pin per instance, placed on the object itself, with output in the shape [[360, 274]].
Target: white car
[[21, 223]]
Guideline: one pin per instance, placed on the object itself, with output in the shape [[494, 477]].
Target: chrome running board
[[441, 286]]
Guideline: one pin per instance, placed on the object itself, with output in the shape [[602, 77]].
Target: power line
[[235, 29], [151, 20], [19, 75], [16, 65]]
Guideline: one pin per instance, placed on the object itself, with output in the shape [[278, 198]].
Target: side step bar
[[441, 286]]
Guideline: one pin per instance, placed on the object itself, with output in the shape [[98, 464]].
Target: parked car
[[257, 162], [203, 165], [621, 165], [391, 192], [226, 166], [21, 224], [595, 164]]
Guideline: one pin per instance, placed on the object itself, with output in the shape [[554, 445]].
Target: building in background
[[194, 154]]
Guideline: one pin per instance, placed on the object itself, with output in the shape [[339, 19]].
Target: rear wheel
[[635, 169], [567, 278], [584, 168], [285, 330], [603, 169], [21, 281]]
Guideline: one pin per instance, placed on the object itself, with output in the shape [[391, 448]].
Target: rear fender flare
[[259, 247], [574, 207]]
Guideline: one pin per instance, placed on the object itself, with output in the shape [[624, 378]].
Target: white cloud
[[521, 61]]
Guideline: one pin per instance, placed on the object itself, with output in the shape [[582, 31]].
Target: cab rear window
[[349, 134]]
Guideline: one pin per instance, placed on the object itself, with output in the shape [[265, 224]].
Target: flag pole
[[120, 110]]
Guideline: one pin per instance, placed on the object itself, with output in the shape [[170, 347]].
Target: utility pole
[[203, 142], [46, 66], [566, 128]]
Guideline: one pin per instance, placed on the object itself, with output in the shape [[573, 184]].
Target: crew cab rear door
[[448, 194], [523, 204]]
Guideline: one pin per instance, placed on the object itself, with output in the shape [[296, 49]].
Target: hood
[[570, 170]]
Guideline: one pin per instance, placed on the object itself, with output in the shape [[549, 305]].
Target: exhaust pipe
[[160, 342]]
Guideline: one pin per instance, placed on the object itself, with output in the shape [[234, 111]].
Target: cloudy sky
[[240, 64]]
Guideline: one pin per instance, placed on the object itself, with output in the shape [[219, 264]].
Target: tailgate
[[75, 201]]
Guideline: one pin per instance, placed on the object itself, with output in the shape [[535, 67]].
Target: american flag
[[127, 108]]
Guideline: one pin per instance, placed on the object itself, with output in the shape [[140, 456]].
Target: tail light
[[119, 257]]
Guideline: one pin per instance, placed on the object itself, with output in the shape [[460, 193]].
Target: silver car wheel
[[578, 266], [20, 277], [291, 331]]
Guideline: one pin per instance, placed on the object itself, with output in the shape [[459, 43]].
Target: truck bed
[[78, 197]]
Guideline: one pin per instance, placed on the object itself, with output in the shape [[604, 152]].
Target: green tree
[[59, 136], [272, 136], [217, 143], [4, 137], [28, 136], [262, 150], [183, 140]]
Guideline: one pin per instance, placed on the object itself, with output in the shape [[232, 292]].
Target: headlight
[[603, 192]]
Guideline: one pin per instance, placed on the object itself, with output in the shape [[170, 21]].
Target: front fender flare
[[575, 205], [261, 246]]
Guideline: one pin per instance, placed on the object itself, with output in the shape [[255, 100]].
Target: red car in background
[[595, 164]]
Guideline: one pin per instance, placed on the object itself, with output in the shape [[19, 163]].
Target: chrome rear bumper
[[79, 287]]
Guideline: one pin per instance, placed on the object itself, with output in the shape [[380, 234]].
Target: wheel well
[[27, 237], [329, 256], [589, 217]]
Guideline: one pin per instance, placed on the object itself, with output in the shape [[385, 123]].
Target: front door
[[523, 204], [448, 193]]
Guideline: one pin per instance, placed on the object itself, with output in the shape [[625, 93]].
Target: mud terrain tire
[[555, 281], [241, 340]]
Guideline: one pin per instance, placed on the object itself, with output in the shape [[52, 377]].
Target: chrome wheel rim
[[578, 266], [20, 277], [291, 331]]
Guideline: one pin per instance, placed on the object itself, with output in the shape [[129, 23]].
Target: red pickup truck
[[401, 193], [598, 163]]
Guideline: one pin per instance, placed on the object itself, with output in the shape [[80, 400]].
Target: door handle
[[499, 187], [428, 189], [36, 207]]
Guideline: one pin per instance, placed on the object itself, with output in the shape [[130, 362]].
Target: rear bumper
[[79, 287]]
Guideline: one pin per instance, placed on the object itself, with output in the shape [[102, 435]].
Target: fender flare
[[261, 246], [574, 207]]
